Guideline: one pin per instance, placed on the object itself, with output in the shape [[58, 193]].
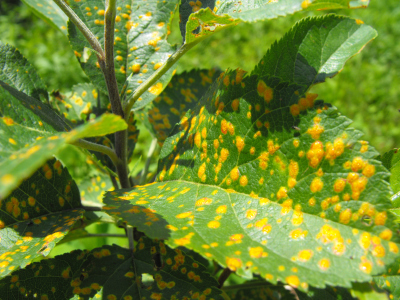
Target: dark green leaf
[[264, 179], [120, 274], [141, 45], [200, 19], [37, 215], [50, 12], [181, 94]]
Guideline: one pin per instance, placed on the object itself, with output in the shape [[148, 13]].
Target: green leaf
[[50, 12], [364, 291], [265, 179], [19, 74], [391, 161], [200, 19], [304, 62], [26, 146], [120, 274], [390, 280], [141, 45], [35, 216], [181, 94], [93, 188]]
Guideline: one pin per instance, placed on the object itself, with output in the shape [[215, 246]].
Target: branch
[[82, 27], [157, 75], [148, 160], [223, 277], [98, 148], [121, 137]]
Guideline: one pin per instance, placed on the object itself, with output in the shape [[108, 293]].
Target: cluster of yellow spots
[[293, 172], [264, 91], [227, 127], [196, 5], [316, 185], [328, 235], [303, 104], [317, 129], [315, 154], [233, 263], [298, 234], [324, 264], [305, 255], [162, 284], [257, 252]]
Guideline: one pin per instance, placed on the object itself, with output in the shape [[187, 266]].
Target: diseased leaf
[[35, 216], [259, 290], [365, 291], [141, 45], [390, 280], [117, 272], [93, 188], [265, 179], [181, 94], [50, 12], [25, 146], [200, 19]]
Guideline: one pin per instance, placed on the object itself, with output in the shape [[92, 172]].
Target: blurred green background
[[367, 90]]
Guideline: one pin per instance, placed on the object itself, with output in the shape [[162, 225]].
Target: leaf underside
[[263, 178], [117, 272], [37, 215]]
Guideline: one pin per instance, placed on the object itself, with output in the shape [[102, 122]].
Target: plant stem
[[224, 276], [112, 87], [129, 231], [145, 170], [92, 208], [98, 148], [247, 285], [157, 75], [106, 235], [82, 27]]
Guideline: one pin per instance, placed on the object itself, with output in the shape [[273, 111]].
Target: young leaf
[[35, 216], [50, 12], [199, 19], [25, 146], [141, 45], [181, 94], [264, 179], [120, 274]]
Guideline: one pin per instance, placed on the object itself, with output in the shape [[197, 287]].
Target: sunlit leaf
[[390, 280], [117, 272], [93, 188], [181, 94], [141, 45], [25, 146], [35, 216], [200, 19], [50, 12], [265, 179]]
